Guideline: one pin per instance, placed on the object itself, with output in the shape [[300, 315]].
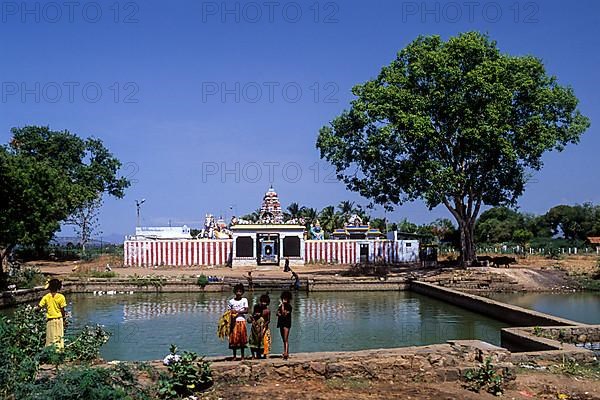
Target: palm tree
[[379, 223], [329, 219], [253, 216], [309, 214], [294, 210], [362, 213], [346, 208]]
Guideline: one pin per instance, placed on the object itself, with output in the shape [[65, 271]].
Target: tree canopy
[[452, 122], [45, 176]]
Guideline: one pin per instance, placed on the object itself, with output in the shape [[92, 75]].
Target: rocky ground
[[528, 385]]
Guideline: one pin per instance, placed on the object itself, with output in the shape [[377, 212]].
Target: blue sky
[[201, 100]]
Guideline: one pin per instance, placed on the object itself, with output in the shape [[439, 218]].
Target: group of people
[[259, 340]]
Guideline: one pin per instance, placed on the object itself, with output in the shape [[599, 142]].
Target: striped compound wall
[[331, 251], [348, 251], [150, 253]]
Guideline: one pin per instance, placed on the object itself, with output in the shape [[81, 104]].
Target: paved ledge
[[551, 343], [514, 315]]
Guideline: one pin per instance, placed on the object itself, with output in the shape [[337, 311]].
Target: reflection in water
[[144, 325], [580, 306]]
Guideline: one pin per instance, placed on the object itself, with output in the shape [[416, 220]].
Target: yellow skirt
[[267, 342], [55, 333]]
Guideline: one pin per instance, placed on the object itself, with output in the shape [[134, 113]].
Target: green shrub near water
[[27, 278], [90, 383], [487, 378], [22, 351], [202, 281], [188, 374]]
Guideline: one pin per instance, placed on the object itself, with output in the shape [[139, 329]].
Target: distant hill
[[113, 238]]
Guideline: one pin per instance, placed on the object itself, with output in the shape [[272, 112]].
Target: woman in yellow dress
[[55, 304]]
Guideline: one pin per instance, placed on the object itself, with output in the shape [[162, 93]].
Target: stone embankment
[[435, 363], [478, 280]]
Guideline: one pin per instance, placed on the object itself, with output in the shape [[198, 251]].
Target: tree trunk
[[4, 268], [4, 252], [467, 245], [465, 217]]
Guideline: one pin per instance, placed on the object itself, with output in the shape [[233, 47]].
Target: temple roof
[[270, 210]]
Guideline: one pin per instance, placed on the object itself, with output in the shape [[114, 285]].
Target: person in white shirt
[[239, 335]]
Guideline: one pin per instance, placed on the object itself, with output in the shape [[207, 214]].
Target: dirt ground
[[530, 385]]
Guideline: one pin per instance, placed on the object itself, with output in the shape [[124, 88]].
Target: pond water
[[579, 306], [144, 325]]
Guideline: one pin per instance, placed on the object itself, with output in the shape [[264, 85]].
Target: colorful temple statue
[[316, 231], [214, 229]]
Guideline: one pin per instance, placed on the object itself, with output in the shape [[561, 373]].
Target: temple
[[266, 241], [270, 239]]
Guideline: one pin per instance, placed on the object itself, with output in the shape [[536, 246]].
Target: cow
[[484, 260], [503, 260]]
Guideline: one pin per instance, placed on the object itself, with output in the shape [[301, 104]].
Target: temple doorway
[[268, 248]]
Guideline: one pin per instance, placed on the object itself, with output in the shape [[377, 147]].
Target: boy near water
[[256, 332], [55, 304], [238, 338], [284, 321]]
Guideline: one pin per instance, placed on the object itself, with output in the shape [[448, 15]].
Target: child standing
[[256, 332], [265, 300], [284, 321], [55, 304], [238, 307]]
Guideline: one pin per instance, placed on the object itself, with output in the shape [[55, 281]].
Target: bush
[[28, 278], [202, 281], [22, 340], [487, 378], [86, 345], [188, 374], [103, 274], [90, 383]]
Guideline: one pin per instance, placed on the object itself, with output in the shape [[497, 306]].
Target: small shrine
[[356, 230], [270, 240]]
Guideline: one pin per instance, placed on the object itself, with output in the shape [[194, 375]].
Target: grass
[[348, 383], [574, 369], [96, 274]]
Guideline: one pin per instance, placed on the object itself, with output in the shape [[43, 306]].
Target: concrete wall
[[12, 298], [516, 316]]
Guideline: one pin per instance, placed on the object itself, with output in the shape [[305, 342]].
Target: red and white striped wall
[[331, 251], [348, 251], [150, 253]]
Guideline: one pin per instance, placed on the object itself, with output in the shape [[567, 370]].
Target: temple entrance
[[364, 253], [268, 248]]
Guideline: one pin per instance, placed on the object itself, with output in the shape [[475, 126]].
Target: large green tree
[[45, 177], [575, 222], [452, 122]]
